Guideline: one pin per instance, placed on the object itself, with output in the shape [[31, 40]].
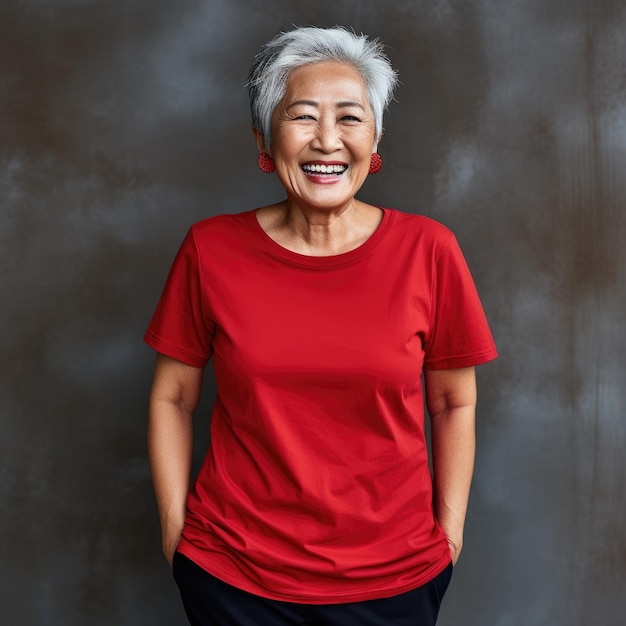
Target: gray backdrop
[[121, 122]]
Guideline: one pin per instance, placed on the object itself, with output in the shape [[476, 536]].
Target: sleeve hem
[[466, 360], [175, 352]]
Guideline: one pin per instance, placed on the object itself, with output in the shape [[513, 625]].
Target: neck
[[320, 232], [324, 229]]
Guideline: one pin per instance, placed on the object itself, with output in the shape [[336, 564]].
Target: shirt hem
[[328, 596]]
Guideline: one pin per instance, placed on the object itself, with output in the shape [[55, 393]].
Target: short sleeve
[[180, 327], [459, 333]]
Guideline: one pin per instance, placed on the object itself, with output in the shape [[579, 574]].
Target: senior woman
[[315, 503]]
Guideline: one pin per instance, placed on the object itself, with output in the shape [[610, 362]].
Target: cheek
[[366, 150], [365, 143], [287, 143]]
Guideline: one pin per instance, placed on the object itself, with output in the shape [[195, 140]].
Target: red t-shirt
[[316, 486]]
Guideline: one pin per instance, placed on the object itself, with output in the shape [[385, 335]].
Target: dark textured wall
[[121, 122]]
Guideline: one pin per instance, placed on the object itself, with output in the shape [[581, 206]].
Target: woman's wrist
[[170, 543], [455, 549]]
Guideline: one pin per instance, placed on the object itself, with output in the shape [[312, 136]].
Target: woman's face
[[323, 136]]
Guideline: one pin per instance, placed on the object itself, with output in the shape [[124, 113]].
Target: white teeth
[[324, 169]]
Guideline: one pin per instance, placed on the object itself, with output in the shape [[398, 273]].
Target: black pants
[[210, 602]]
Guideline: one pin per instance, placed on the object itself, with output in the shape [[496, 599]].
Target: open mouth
[[309, 168]]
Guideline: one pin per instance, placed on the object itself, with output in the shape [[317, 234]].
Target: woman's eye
[[350, 118], [304, 117]]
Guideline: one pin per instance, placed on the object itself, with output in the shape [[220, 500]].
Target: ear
[[260, 142]]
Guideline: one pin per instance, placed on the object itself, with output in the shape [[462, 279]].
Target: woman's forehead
[[326, 80]]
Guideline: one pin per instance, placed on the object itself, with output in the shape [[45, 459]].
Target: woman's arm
[[173, 399], [451, 403]]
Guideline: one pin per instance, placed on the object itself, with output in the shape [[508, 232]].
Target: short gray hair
[[276, 60]]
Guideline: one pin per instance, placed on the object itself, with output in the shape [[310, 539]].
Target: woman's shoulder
[[420, 225], [221, 224], [223, 220]]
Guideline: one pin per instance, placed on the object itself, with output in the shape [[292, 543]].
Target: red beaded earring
[[266, 163], [376, 163]]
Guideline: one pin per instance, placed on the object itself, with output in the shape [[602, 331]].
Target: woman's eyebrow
[[313, 103], [350, 103]]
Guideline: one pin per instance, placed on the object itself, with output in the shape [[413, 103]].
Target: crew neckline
[[333, 260]]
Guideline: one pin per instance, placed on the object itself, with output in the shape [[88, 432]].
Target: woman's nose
[[328, 137]]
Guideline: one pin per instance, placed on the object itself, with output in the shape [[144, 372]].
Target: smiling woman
[[315, 504], [323, 137]]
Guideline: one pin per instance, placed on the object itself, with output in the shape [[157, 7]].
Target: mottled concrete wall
[[121, 122]]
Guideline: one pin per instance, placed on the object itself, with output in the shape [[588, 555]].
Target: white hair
[[276, 60]]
